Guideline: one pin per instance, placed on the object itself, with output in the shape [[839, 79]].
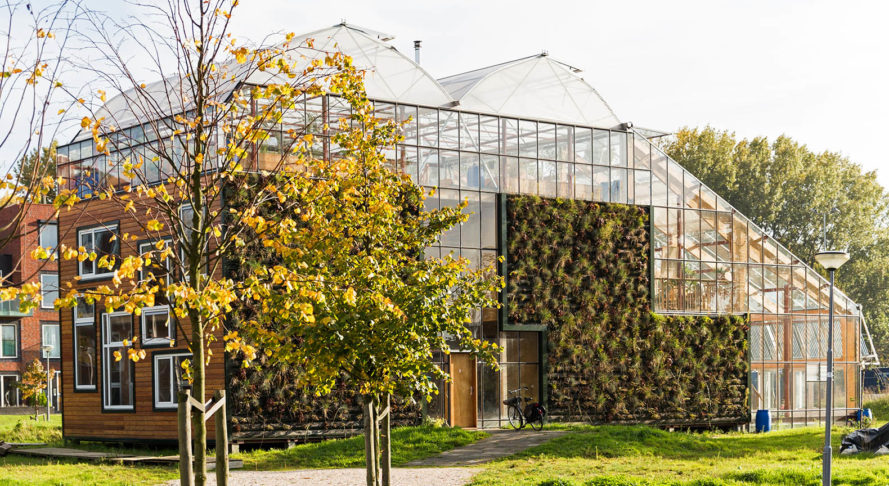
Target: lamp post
[[831, 261], [47, 349]]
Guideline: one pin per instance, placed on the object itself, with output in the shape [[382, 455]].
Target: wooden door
[[464, 402]]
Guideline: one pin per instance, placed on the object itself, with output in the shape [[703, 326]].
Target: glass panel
[[601, 184], [674, 187], [527, 138], [490, 173], [471, 232], [658, 178], [566, 180], [409, 130], [428, 127], [164, 374], [448, 125], [450, 198], [583, 182], [642, 191], [565, 143], [449, 169], [583, 146], [50, 338], [692, 190], [619, 185], [85, 342], [547, 178], [488, 205], [659, 227], [546, 141], [528, 174], [509, 132], [470, 174], [724, 237], [469, 132], [641, 153], [8, 338], [510, 174], [489, 137], [619, 149], [693, 241], [600, 147]]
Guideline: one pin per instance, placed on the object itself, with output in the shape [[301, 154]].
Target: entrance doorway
[[464, 389]]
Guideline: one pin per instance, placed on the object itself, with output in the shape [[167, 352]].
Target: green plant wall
[[582, 269]]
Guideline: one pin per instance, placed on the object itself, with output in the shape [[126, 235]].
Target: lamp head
[[832, 259], [47, 348]]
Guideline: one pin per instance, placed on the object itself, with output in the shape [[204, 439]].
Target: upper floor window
[[102, 241], [156, 326], [49, 236], [49, 289], [9, 345], [50, 340]]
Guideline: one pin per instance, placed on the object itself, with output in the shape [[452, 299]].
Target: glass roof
[[536, 87]]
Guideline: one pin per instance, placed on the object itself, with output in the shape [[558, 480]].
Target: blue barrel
[[763, 421], [864, 413]]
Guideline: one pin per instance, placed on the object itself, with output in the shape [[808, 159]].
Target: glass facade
[[707, 258]]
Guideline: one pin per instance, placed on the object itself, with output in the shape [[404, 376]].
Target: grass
[[880, 408], [21, 428], [408, 444], [637, 455]]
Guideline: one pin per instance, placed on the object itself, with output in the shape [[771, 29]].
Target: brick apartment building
[[23, 335]]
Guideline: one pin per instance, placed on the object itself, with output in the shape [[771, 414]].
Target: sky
[[816, 71]]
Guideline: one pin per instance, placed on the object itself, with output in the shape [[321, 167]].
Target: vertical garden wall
[[581, 269]]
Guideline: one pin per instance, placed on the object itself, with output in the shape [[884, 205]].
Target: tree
[[34, 384], [34, 43], [221, 113], [347, 293], [39, 163], [791, 192]]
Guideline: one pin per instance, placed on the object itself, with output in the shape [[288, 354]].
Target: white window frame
[[84, 322], [173, 404], [97, 272], [44, 225], [154, 311], [57, 347], [15, 339], [44, 289], [3, 391], [148, 247], [108, 348]]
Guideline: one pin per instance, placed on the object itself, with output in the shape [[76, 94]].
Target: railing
[[10, 308]]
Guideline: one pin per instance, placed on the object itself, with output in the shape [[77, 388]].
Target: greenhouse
[[599, 228]]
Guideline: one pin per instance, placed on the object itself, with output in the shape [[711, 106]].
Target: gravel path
[[438, 476]]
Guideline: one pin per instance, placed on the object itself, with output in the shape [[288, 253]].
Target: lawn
[[409, 443], [637, 455]]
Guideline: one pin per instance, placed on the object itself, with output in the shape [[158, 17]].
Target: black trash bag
[[866, 440]]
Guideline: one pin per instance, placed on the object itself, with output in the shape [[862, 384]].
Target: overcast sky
[[817, 71]]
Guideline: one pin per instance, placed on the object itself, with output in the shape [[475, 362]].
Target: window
[[84, 345], [49, 289], [49, 237], [167, 376], [157, 268], [102, 241], [117, 375], [156, 327], [10, 396], [50, 335], [8, 341]]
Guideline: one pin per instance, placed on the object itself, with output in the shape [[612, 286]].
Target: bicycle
[[521, 411]]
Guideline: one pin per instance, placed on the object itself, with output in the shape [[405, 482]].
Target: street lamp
[[47, 350], [831, 260]]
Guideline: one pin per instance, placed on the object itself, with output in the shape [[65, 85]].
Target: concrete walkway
[[452, 476], [501, 443]]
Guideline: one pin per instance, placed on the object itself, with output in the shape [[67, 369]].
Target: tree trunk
[[376, 438], [370, 454], [198, 388], [386, 440]]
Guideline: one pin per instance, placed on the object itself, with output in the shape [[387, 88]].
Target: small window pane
[[583, 146], [528, 173], [619, 149], [601, 184]]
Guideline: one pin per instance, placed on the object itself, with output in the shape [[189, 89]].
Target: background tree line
[[788, 190]]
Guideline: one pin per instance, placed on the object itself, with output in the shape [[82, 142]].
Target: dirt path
[[501, 443], [442, 476]]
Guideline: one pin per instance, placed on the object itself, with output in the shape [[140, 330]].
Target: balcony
[[10, 308]]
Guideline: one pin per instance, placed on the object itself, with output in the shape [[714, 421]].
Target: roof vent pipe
[[417, 51]]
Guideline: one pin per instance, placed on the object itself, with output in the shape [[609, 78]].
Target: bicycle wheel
[[537, 423], [514, 416]]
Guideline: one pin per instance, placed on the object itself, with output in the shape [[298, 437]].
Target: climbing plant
[[582, 269]]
